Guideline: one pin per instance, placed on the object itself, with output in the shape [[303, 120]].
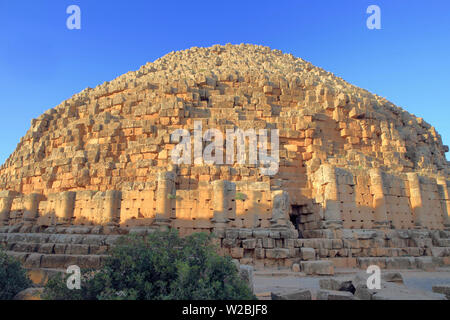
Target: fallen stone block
[[389, 291], [334, 295], [336, 284], [246, 274], [442, 289], [392, 291], [320, 267], [329, 284], [395, 277], [300, 294], [362, 292]]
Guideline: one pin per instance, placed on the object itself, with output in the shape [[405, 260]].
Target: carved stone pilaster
[[165, 195], [379, 200], [64, 207], [6, 199]]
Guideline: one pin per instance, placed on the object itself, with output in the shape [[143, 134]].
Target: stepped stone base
[[88, 246]]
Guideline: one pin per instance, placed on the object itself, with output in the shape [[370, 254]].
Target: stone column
[[415, 198], [281, 208], [223, 191], [31, 207], [111, 212], [445, 195], [165, 195], [332, 207], [379, 200], [64, 207], [6, 199]]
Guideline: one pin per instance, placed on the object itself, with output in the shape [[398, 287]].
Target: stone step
[[443, 242], [57, 248], [57, 261], [59, 238], [426, 263]]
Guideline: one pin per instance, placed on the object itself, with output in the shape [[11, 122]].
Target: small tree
[[13, 278], [160, 266]]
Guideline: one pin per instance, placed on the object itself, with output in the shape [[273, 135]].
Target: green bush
[[160, 266], [13, 278], [240, 196]]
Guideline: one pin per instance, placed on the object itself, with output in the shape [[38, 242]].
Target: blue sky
[[42, 63]]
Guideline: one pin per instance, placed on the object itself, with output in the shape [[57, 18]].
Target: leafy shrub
[[160, 266], [13, 278]]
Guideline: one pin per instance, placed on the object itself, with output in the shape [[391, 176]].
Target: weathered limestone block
[[237, 253], [308, 253], [33, 261], [321, 267], [335, 284], [245, 233], [249, 244], [334, 295], [268, 243], [277, 253], [442, 289], [299, 294], [426, 263]]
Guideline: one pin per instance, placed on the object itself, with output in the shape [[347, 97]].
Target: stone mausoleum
[[360, 181]]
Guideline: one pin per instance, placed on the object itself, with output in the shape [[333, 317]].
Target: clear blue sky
[[42, 63]]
